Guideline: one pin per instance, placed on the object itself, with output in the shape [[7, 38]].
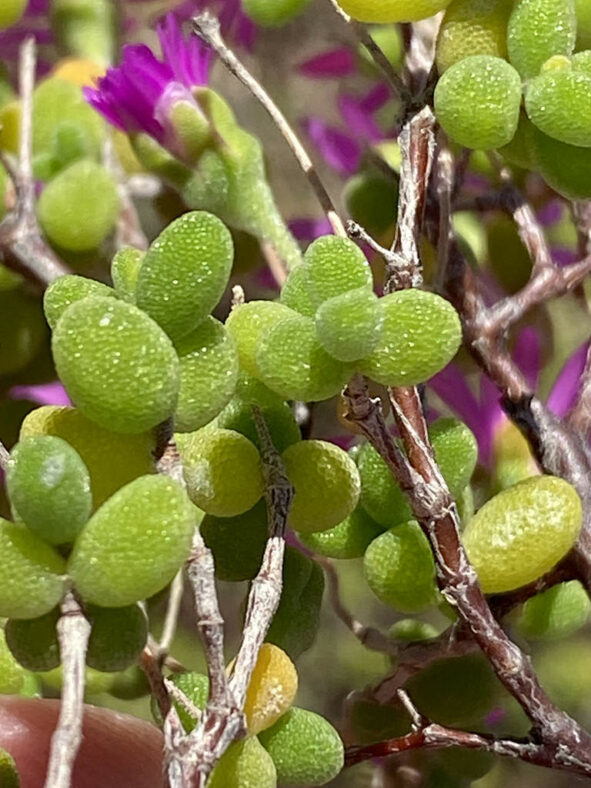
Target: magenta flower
[[343, 150], [139, 94], [44, 393], [34, 23], [334, 64], [482, 412]]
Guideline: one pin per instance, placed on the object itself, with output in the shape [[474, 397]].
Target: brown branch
[[426, 734], [432, 737], [22, 244], [547, 282], [559, 450], [435, 511], [207, 27], [582, 216], [73, 631], [456, 640]]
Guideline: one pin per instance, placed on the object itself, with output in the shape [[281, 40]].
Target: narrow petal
[[334, 64], [526, 355], [451, 387], [376, 98], [339, 150], [45, 394], [565, 389], [309, 229], [358, 120]]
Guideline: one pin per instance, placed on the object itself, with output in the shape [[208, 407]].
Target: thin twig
[[23, 247], [434, 737], [358, 233], [529, 229], [207, 27], [152, 667], [73, 631], [369, 637], [129, 231], [379, 58], [175, 598], [265, 591], [276, 265]]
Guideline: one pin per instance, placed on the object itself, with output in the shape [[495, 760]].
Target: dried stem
[[73, 631], [4, 457], [191, 758], [222, 721], [417, 140], [207, 27], [265, 591], [21, 241], [529, 229]]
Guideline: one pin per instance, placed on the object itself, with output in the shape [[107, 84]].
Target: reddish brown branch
[[433, 737], [434, 509]]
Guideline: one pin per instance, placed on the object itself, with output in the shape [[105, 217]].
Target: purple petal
[[450, 386], [492, 415], [376, 98], [264, 278], [36, 7], [45, 394], [526, 355], [309, 229], [551, 213], [189, 60], [357, 119], [246, 33], [97, 100], [565, 389], [562, 255], [335, 63], [339, 150]]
